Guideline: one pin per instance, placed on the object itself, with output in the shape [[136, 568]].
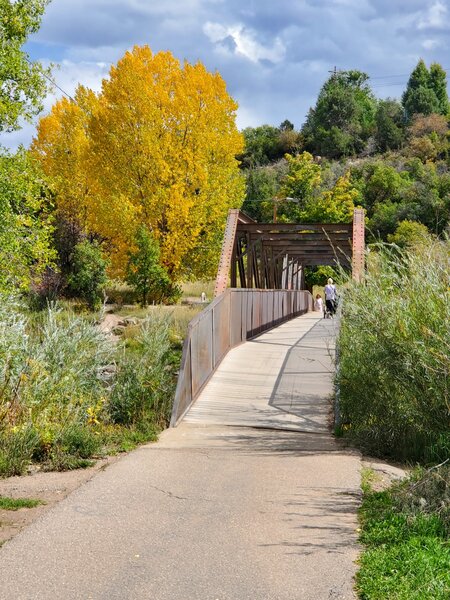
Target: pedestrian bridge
[[282, 379], [258, 355]]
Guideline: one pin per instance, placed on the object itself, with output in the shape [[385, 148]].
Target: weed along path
[[218, 509]]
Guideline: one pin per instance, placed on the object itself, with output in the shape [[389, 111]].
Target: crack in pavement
[[167, 493]]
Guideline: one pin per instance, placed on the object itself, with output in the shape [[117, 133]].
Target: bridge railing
[[233, 317]]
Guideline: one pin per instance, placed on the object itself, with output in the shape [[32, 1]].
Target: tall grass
[[195, 288], [144, 385], [394, 375], [66, 388]]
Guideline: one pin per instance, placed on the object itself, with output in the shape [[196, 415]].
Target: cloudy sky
[[273, 54]]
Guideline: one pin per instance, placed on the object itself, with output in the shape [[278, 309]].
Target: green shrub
[[67, 446], [146, 275], [64, 384], [88, 279], [78, 440], [395, 353], [144, 386], [16, 450]]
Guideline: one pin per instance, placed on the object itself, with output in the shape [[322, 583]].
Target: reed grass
[[394, 372]]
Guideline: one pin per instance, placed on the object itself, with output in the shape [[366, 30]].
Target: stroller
[[330, 308]]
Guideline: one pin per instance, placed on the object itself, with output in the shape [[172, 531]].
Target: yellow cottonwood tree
[[156, 147], [60, 146]]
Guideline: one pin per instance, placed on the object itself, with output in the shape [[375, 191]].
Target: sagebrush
[[67, 389]]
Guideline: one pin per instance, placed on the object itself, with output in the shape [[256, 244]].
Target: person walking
[[330, 297]]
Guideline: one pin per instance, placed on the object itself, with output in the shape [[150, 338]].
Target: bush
[[16, 450], [72, 445], [50, 366], [144, 386], [146, 275], [395, 353], [64, 387], [87, 279]]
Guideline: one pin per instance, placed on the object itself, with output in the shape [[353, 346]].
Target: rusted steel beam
[[358, 244], [227, 252], [258, 247], [288, 227], [240, 263]]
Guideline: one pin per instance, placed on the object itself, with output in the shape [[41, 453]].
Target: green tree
[[286, 125], [438, 83], [262, 146], [26, 226], [302, 178], [144, 271], [262, 185], [319, 275], [88, 276], [409, 233], [379, 182], [389, 133], [426, 91], [421, 101], [343, 118], [22, 82], [332, 206]]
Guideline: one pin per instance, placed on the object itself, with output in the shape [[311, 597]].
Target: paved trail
[[213, 511]]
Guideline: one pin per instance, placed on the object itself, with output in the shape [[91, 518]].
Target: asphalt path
[[210, 512]]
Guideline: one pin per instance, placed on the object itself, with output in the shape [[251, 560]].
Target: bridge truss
[[274, 255]]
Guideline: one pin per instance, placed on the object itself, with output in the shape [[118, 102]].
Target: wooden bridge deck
[[280, 380]]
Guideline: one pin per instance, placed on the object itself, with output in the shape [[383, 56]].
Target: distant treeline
[[389, 156]]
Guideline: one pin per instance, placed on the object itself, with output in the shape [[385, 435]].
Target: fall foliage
[[156, 148]]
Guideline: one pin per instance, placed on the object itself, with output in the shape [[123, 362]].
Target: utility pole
[[335, 71]]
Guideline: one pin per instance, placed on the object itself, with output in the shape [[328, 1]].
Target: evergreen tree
[[438, 83], [343, 118], [426, 91], [389, 132]]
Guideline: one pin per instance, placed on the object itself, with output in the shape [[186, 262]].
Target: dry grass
[[194, 289]]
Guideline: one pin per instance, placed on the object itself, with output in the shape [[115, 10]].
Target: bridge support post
[[358, 244], [226, 256]]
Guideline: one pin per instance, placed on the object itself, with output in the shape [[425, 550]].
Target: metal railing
[[233, 317]]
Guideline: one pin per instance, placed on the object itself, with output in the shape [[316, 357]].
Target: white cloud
[[244, 42], [434, 17], [430, 44]]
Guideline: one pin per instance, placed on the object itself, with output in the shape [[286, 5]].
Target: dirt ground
[[384, 474], [50, 488]]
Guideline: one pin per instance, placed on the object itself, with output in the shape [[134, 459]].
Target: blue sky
[[274, 55]]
